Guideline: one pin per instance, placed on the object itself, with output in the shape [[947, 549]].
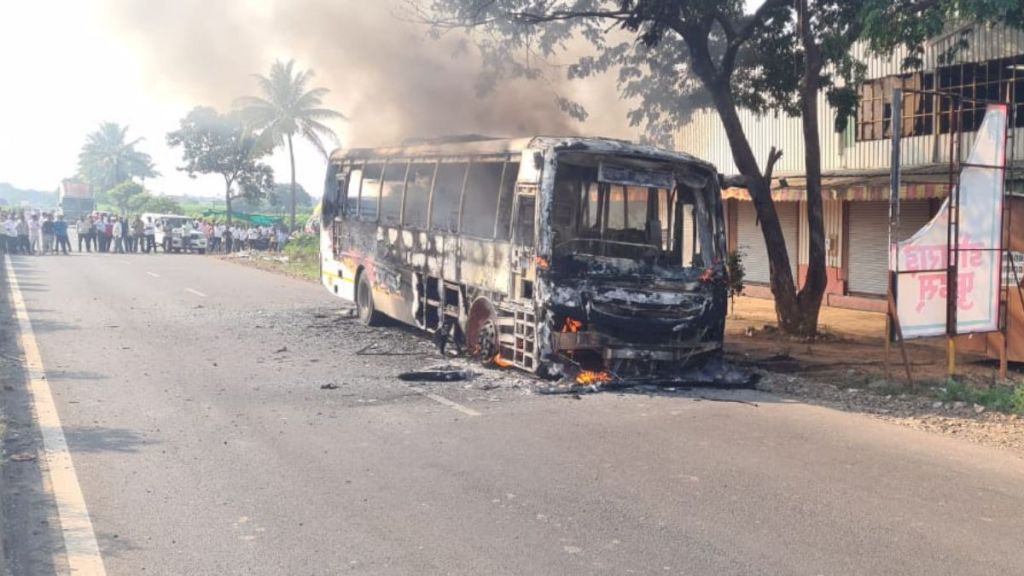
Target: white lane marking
[[83, 553], [446, 402], [153, 274], [196, 292]]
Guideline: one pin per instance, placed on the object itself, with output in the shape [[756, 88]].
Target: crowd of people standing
[[36, 233], [26, 232]]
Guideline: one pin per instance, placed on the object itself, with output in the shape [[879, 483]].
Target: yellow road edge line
[[83, 553]]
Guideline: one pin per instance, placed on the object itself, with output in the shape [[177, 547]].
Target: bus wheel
[[368, 315], [487, 343]]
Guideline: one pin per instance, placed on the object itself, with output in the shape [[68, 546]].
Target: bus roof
[[455, 146]]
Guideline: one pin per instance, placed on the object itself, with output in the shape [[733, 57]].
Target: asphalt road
[[190, 394]]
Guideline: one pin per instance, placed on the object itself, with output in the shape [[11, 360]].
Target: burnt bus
[[543, 253]]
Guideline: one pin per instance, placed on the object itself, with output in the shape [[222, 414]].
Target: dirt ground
[[849, 351]]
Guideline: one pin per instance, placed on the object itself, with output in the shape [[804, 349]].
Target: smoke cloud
[[385, 74]]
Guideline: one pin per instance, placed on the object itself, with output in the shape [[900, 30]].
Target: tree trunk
[[780, 274], [227, 201], [291, 157], [805, 320]]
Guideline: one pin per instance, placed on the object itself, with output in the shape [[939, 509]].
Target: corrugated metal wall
[[705, 138], [750, 239], [832, 211]]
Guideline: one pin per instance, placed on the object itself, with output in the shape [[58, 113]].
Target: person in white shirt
[[35, 235], [149, 233], [254, 235], [118, 235], [282, 239], [10, 234], [218, 236]]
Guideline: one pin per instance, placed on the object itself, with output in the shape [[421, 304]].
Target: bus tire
[[487, 342], [365, 309]]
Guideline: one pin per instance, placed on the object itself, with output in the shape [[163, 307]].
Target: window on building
[[874, 113], [976, 83], [370, 192], [391, 193], [480, 205], [417, 195], [444, 214]]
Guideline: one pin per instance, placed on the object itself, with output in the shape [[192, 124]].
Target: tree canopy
[[222, 144], [146, 202], [285, 108], [280, 196], [672, 57], [123, 194], [107, 158]]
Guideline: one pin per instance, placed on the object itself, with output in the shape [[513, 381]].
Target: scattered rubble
[[445, 373], [920, 411]]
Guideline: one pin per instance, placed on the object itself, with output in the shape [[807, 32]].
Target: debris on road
[[281, 350], [23, 457], [329, 386], [445, 373]]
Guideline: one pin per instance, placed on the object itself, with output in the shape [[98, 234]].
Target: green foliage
[[214, 143], [280, 195], [146, 202], [285, 108], [122, 195], [108, 159], [680, 53], [304, 247], [1001, 398], [304, 256], [736, 270], [892, 24]]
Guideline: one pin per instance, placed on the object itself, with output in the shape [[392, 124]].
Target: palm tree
[[108, 159], [285, 109]]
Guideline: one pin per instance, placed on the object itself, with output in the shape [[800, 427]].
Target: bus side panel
[[484, 264], [392, 277], [357, 247], [332, 270]]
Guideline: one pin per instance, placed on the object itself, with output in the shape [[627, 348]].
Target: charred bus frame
[[546, 253]]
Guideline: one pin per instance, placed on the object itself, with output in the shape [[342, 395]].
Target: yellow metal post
[[951, 356]]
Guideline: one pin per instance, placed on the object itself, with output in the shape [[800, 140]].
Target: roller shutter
[[750, 240], [869, 241]]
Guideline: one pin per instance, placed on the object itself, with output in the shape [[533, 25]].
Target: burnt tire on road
[[365, 309]]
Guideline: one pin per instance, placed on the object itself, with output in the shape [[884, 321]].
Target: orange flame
[[501, 362], [572, 325], [588, 377]]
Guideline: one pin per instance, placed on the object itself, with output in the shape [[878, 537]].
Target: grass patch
[[1008, 399], [304, 256]]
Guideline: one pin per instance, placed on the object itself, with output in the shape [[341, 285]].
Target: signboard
[[922, 261]]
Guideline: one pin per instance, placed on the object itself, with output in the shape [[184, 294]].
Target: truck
[[75, 199]]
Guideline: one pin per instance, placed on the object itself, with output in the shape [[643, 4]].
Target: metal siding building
[[856, 162]]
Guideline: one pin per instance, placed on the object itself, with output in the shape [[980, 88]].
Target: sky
[[73, 64]]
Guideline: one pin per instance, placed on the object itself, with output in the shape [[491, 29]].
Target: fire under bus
[[556, 255]]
